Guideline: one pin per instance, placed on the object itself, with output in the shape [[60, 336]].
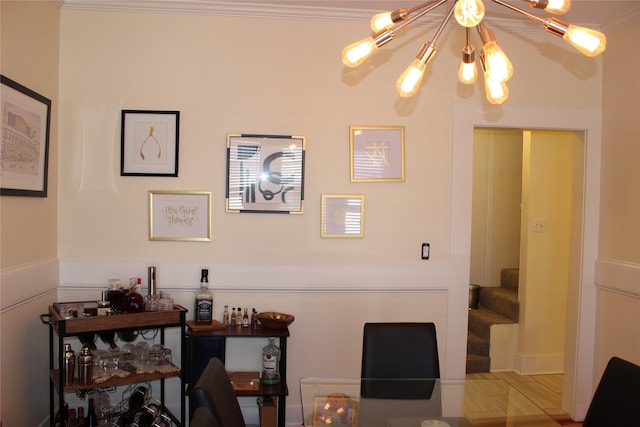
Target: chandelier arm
[[443, 24], [522, 11], [429, 6]]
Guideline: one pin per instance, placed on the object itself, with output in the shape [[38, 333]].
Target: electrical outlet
[[538, 225]]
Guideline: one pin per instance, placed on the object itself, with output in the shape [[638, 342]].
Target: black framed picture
[[149, 143], [26, 121]]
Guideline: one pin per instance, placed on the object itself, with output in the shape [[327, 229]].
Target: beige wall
[[618, 280], [278, 76], [497, 189], [544, 255], [28, 237]]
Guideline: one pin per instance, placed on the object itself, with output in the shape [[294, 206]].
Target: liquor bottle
[[270, 363], [115, 296], [233, 317], [81, 416], [225, 316], [134, 302], [91, 420], [72, 420], [254, 319], [245, 318], [204, 301]]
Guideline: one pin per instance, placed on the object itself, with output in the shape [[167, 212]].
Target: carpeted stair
[[497, 305]]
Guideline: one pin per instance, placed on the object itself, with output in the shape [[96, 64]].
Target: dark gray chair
[[616, 401], [399, 351], [215, 392], [202, 417]]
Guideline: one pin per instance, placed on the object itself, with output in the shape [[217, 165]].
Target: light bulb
[[589, 42], [381, 21], [469, 13], [497, 91], [468, 72], [355, 54], [557, 7], [496, 62], [386, 20], [409, 81]]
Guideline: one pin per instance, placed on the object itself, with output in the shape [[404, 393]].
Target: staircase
[[497, 306]]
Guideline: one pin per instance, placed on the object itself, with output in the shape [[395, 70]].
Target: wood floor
[[544, 390]]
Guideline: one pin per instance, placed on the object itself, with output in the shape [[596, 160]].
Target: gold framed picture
[[337, 410], [180, 215], [377, 153], [342, 216]]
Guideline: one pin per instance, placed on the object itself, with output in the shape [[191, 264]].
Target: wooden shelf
[[144, 320], [112, 382]]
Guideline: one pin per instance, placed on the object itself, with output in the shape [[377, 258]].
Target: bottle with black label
[[245, 318], [204, 301]]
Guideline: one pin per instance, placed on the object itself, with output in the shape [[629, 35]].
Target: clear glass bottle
[[225, 316], [134, 302], [254, 319], [203, 314], [271, 363]]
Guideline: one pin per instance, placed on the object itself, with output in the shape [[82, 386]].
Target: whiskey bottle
[[204, 301]]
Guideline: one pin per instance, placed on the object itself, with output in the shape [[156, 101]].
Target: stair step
[[476, 364], [510, 278], [480, 321], [477, 346], [501, 300]]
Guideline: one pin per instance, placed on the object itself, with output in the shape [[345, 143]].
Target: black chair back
[[399, 351], [202, 417], [215, 392], [616, 401]]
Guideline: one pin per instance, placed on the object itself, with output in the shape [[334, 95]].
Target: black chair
[[399, 351], [616, 401], [215, 392], [202, 417]]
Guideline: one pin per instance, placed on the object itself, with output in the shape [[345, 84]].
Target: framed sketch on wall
[[26, 119], [180, 215], [149, 143], [265, 173], [377, 153]]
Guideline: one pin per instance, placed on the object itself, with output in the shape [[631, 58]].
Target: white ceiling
[[599, 13]]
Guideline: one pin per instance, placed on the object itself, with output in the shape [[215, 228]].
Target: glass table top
[[348, 402]]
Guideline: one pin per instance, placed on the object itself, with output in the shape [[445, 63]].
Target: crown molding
[[273, 11]]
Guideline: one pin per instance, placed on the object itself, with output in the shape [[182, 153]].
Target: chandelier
[[495, 65]]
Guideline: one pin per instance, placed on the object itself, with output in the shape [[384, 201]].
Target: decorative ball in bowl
[[275, 320]]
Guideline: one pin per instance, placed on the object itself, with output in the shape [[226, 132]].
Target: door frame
[[579, 353]]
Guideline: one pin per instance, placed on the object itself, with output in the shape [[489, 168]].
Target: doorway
[[522, 213], [579, 356]]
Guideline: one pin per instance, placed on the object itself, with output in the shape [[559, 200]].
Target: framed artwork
[[265, 173], [149, 143], [336, 410], [180, 215], [377, 153], [26, 122], [342, 216]]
